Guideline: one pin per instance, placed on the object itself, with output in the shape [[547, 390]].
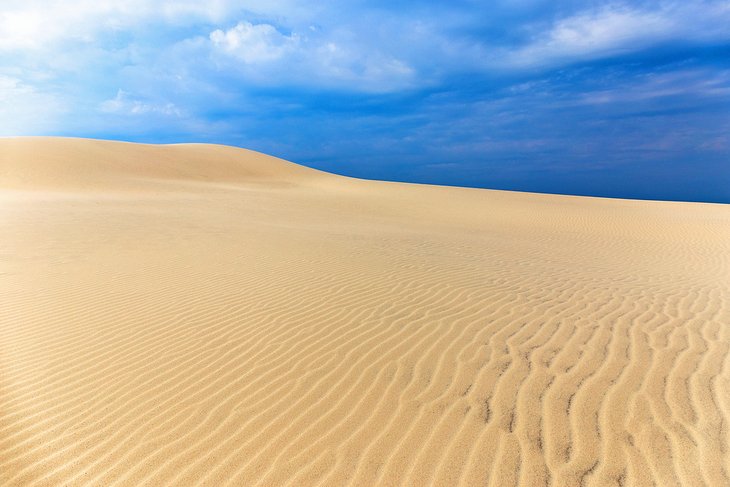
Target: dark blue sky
[[620, 99]]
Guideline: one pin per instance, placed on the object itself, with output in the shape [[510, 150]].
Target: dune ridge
[[206, 315]]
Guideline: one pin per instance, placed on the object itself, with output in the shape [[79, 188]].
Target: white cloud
[[123, 104], [36, 24], [262, 54], [616, 29], [254, 43], [605, 31], [199, 54]]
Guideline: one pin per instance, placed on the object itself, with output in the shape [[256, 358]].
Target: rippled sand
[[204, 315]]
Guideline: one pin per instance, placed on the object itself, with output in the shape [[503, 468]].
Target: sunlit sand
[[205, 315]]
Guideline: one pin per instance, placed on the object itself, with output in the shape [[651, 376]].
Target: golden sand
[[205, 315]]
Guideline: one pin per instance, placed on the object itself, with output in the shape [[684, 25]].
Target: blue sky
[[620, 99]]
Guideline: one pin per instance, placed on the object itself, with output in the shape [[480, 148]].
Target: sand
[[205, 315]]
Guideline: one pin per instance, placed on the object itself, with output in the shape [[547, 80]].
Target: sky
[[605, 98]]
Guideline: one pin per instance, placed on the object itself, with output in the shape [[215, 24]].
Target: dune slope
[[204, 315]]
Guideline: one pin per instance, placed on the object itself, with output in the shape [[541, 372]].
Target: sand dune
[[204, 315]]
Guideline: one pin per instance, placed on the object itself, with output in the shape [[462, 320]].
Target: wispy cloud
[[612, 30], [122, 103], [695, 83], [617, 29], [25, 110]]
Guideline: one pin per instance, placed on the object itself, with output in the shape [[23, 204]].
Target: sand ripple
[[261, 324]]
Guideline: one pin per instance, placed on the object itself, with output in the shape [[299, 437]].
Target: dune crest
[[65, 163], [206, 315]]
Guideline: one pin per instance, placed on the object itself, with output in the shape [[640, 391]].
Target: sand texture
[[205, 315]]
